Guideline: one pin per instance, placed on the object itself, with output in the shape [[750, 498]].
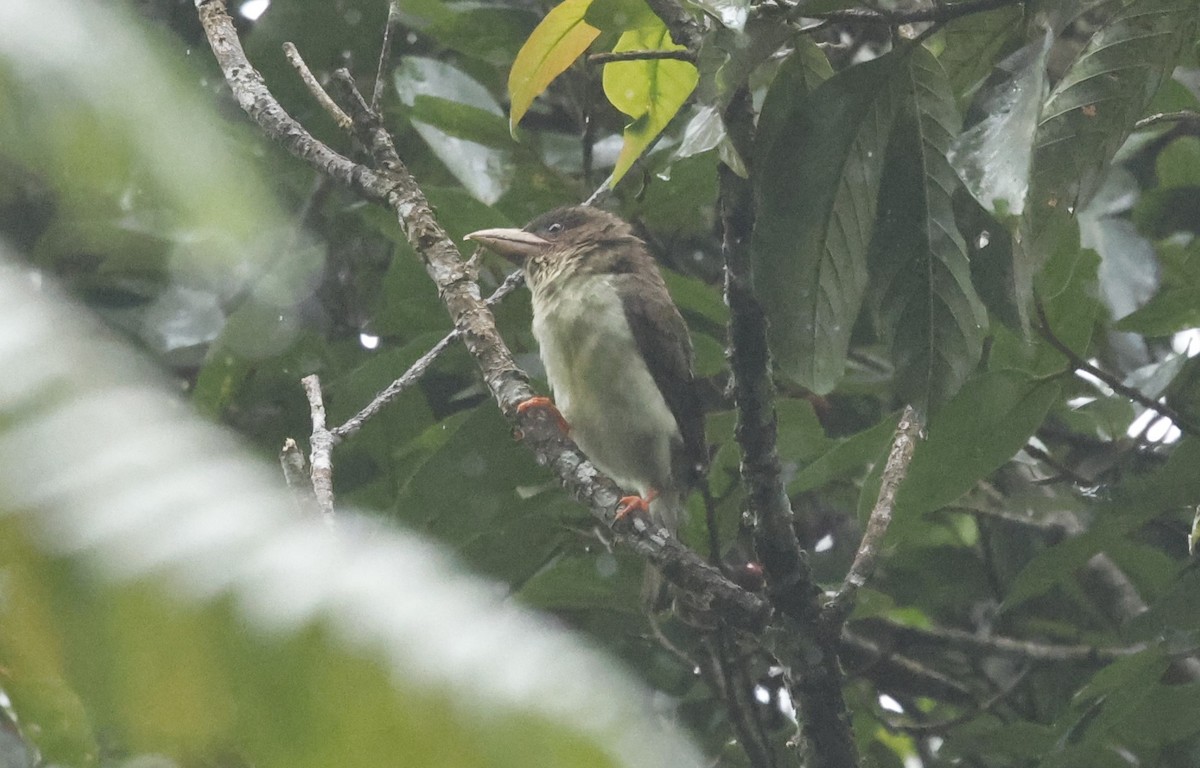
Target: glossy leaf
[[993, 156], [731, 13], [817, 184], [1092, 109], [928, 311], [972, 44], [649, 91], [553, 46], [485, 170]]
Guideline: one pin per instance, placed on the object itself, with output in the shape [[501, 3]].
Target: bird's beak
[[516, 245]]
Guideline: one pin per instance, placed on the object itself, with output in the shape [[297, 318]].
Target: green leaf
[[553, 46], [731, 13], [491, 34], [993, 156], [486, 171], [616, 17], [1171, 311], [463, 121], [1092, 109], [972, 43], [846, 457], [816, 184], [797, 77], [928, 311], [1067, 287], [978, 431], [649, 91]]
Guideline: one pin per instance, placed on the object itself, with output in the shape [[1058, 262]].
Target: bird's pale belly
[[617, 415]]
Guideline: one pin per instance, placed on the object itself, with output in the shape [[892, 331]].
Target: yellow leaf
[[556, 42], [649, 91]]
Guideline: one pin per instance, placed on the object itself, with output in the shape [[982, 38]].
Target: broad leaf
[[649, 91], [556, 42], [1092, 109], [797, 77], [732, 13], [980, 429], [928, 311], [486, 171], [817, 182], [972, 44], [993, 157]]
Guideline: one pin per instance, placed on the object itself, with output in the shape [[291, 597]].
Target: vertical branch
[[385, 52], [894, 472], [817, 674], [785, 564], [321, 460]]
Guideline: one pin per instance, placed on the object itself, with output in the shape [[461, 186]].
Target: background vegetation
[[985, 209]]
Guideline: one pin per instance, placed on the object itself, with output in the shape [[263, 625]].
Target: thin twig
[[1189, 118], [610, 57], [295, 474], [680, 23], [314, 88], [894, 471], [889, 670], [320, 461], [945, 639], [418, 368], [1064, 472], [941, 726], [1077, 363], [738, 704], [939, 14], [385, 53]]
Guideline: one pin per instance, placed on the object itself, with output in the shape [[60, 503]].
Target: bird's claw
[[629, 505], [545, 402]]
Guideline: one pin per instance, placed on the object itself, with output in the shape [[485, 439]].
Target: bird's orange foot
[[629, 505], [548, 404]]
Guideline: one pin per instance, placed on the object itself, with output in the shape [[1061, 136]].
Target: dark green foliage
[[959, 222]]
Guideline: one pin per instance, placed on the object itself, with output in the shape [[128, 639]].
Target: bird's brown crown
[[583, 241]]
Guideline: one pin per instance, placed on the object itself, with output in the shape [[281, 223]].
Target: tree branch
[[418, 369], [903, 636], [1079, 364], [385, 53], [1189, 119], [940, 13], [391, 184], [608, 58], [817, 675], [680, 23], [903, 445], [314, 87], [320, 462]]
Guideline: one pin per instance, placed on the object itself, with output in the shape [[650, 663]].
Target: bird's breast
[[601, 383]]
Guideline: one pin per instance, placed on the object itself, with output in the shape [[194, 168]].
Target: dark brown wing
[[662, 337]]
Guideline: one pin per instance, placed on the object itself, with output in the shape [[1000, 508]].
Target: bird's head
[[565, 243]]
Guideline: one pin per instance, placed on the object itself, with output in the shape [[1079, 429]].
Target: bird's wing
[[662, 338]]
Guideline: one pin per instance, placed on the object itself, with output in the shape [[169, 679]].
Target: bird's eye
[[554, 228]]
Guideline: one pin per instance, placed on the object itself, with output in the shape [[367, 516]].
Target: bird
[[616, 351]]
